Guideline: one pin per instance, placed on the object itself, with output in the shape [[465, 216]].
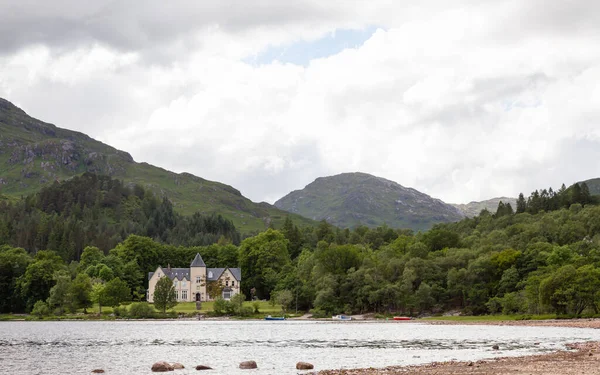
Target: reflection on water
[[127, 347]]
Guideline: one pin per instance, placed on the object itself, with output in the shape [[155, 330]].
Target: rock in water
[[162, 366], [202, 367], [248, 365], [178, 366], [98, 371], [496, 347], [304, 366]]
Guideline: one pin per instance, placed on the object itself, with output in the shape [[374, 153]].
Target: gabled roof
[[217, 272], [173, 273], [237, 273], [198, 262], [178, 273]]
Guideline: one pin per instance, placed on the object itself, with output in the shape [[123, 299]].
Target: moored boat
[[402, 318], [341, 317], [269, 317]]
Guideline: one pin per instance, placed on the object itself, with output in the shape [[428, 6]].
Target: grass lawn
[[189, 307], [487, 318]]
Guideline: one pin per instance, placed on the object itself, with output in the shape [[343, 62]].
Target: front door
[[198, 297]]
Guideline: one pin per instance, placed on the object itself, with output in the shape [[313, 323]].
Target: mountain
[[593, 184], [473, 209], [352, 199], [34, 153]]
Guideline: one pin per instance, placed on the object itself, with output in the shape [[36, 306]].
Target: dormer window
[[210, 274]]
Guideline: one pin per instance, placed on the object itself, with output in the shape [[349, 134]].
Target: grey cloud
[[134, 25]]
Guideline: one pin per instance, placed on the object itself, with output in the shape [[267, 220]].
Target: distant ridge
[[34, 153], [350, 199], [473, 209]]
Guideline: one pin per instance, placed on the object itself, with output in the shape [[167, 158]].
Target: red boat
[[402, 318]]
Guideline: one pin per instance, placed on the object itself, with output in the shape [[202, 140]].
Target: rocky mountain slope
[[352, 199], [473, 209], [34, 153]]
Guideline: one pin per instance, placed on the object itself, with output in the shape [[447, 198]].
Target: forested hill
[[34, 154], [91, 210], [350, 199]]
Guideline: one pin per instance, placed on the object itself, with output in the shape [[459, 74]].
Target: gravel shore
[[583, 358]]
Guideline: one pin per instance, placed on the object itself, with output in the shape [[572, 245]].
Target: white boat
[[341, 317]]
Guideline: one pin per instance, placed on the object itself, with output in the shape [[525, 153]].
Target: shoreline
[[583, 358]]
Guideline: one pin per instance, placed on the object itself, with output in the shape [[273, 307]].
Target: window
[[233, 283], [175, 283], [210, 274], [183, 284], [177, 295], [184, 295], [226, 283], [197, 279], [226, 294]]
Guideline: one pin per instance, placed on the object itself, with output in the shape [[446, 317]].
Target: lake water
[[131, 347]]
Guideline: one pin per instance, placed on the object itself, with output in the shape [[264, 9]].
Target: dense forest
[[542, 257], [92, 210]]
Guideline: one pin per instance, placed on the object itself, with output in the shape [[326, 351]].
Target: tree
[[13, 263], [214, 288], [38, 279], [284, 298], [261, 258], [164, 294], [60, 294], [521, 204], [110, 294], [81, 289]]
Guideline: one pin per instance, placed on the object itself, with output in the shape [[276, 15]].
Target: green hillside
[[34, 154], [352, 199]]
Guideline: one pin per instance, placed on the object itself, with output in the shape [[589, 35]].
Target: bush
[[255, 306], [40, 309], [141, 310], [119, 311], [220, 306]]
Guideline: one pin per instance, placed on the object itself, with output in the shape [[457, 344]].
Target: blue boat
[[269, 317], [341, 317]]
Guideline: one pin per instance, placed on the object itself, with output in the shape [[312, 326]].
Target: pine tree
[[521, 204]]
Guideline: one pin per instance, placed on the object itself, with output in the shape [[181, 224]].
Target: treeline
[[92, 210], [550, 200], [527, 262], [108, 279]]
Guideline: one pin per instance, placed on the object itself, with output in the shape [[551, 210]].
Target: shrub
[[141, 310], [220, 306], [40, 309], [255, 306]]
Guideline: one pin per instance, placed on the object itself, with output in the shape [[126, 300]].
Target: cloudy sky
[[464, 102]]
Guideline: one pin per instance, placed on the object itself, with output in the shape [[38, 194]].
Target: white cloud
[[459, 102]]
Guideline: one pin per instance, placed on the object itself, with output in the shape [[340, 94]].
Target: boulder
[[248, 365], [162, 366], [304, 366], [178, 366], [98, 371], [496, 347], [202, 367]]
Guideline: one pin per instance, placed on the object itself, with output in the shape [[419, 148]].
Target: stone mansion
[[191, 283]]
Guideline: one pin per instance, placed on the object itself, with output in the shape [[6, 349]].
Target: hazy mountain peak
[[351, 199]]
